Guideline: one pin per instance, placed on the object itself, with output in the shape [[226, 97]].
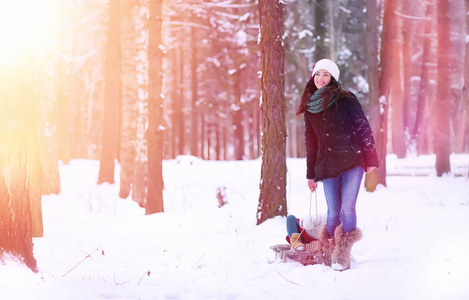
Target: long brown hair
[[334, 88]]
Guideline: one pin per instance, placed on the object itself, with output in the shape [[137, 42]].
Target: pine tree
[[272, 198], [154, 202], [109, 146], [20, 173], [442, 106], [466, 87], [129, 96]]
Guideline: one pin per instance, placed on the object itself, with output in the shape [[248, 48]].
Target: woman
[[339, 148]]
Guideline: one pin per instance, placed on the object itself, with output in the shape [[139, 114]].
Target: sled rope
[[311, 200]]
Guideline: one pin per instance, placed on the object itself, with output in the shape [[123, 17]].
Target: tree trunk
[[377, 109], [154, 202], [174, 101], [272, 198], [238, 119], [409, 34], [465, 90], [34, 168], [442, 107], [16, 233], [320, 28], [209, 131], [238, 134], [180, 105], [332, 29], [203, 131], [458, 49], [195, 111], [111, 96], [34, 178], [423, 128], [397, 100], [422, 92], [47, 113], [292, 145], [139, 186], [300, 133], [129, 94], [20, 166], [225, 143], [217, 141]]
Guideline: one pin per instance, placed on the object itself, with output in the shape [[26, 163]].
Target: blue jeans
[[292, 225], [341, 197]]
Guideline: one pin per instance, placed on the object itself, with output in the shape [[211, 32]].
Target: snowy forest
[[135, 83]]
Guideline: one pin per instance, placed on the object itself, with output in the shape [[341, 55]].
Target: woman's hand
[[313, 185]]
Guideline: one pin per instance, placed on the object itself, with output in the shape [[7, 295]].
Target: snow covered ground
[[98, 246]]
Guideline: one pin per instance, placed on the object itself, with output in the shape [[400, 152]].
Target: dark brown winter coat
[[338, 140]]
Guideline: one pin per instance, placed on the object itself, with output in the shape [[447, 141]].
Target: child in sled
[[301, 232]]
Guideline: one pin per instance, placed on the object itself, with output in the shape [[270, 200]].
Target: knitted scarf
[[314, 104]]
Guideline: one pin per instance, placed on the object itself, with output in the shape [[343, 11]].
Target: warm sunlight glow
[[26, 28], [27, 31]]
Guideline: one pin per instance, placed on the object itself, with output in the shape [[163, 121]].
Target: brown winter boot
[[343, 247], [327, 245], [295, 242]]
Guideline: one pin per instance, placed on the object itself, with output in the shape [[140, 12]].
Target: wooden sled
[[312, 255]]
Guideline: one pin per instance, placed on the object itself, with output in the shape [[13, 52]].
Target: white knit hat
[[328, 65]]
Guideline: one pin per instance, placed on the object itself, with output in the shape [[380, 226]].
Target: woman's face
[[322, 78]]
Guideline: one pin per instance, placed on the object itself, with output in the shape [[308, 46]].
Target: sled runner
[[313, 254]]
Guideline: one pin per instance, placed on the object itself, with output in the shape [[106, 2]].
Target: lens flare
[[27, 27]]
